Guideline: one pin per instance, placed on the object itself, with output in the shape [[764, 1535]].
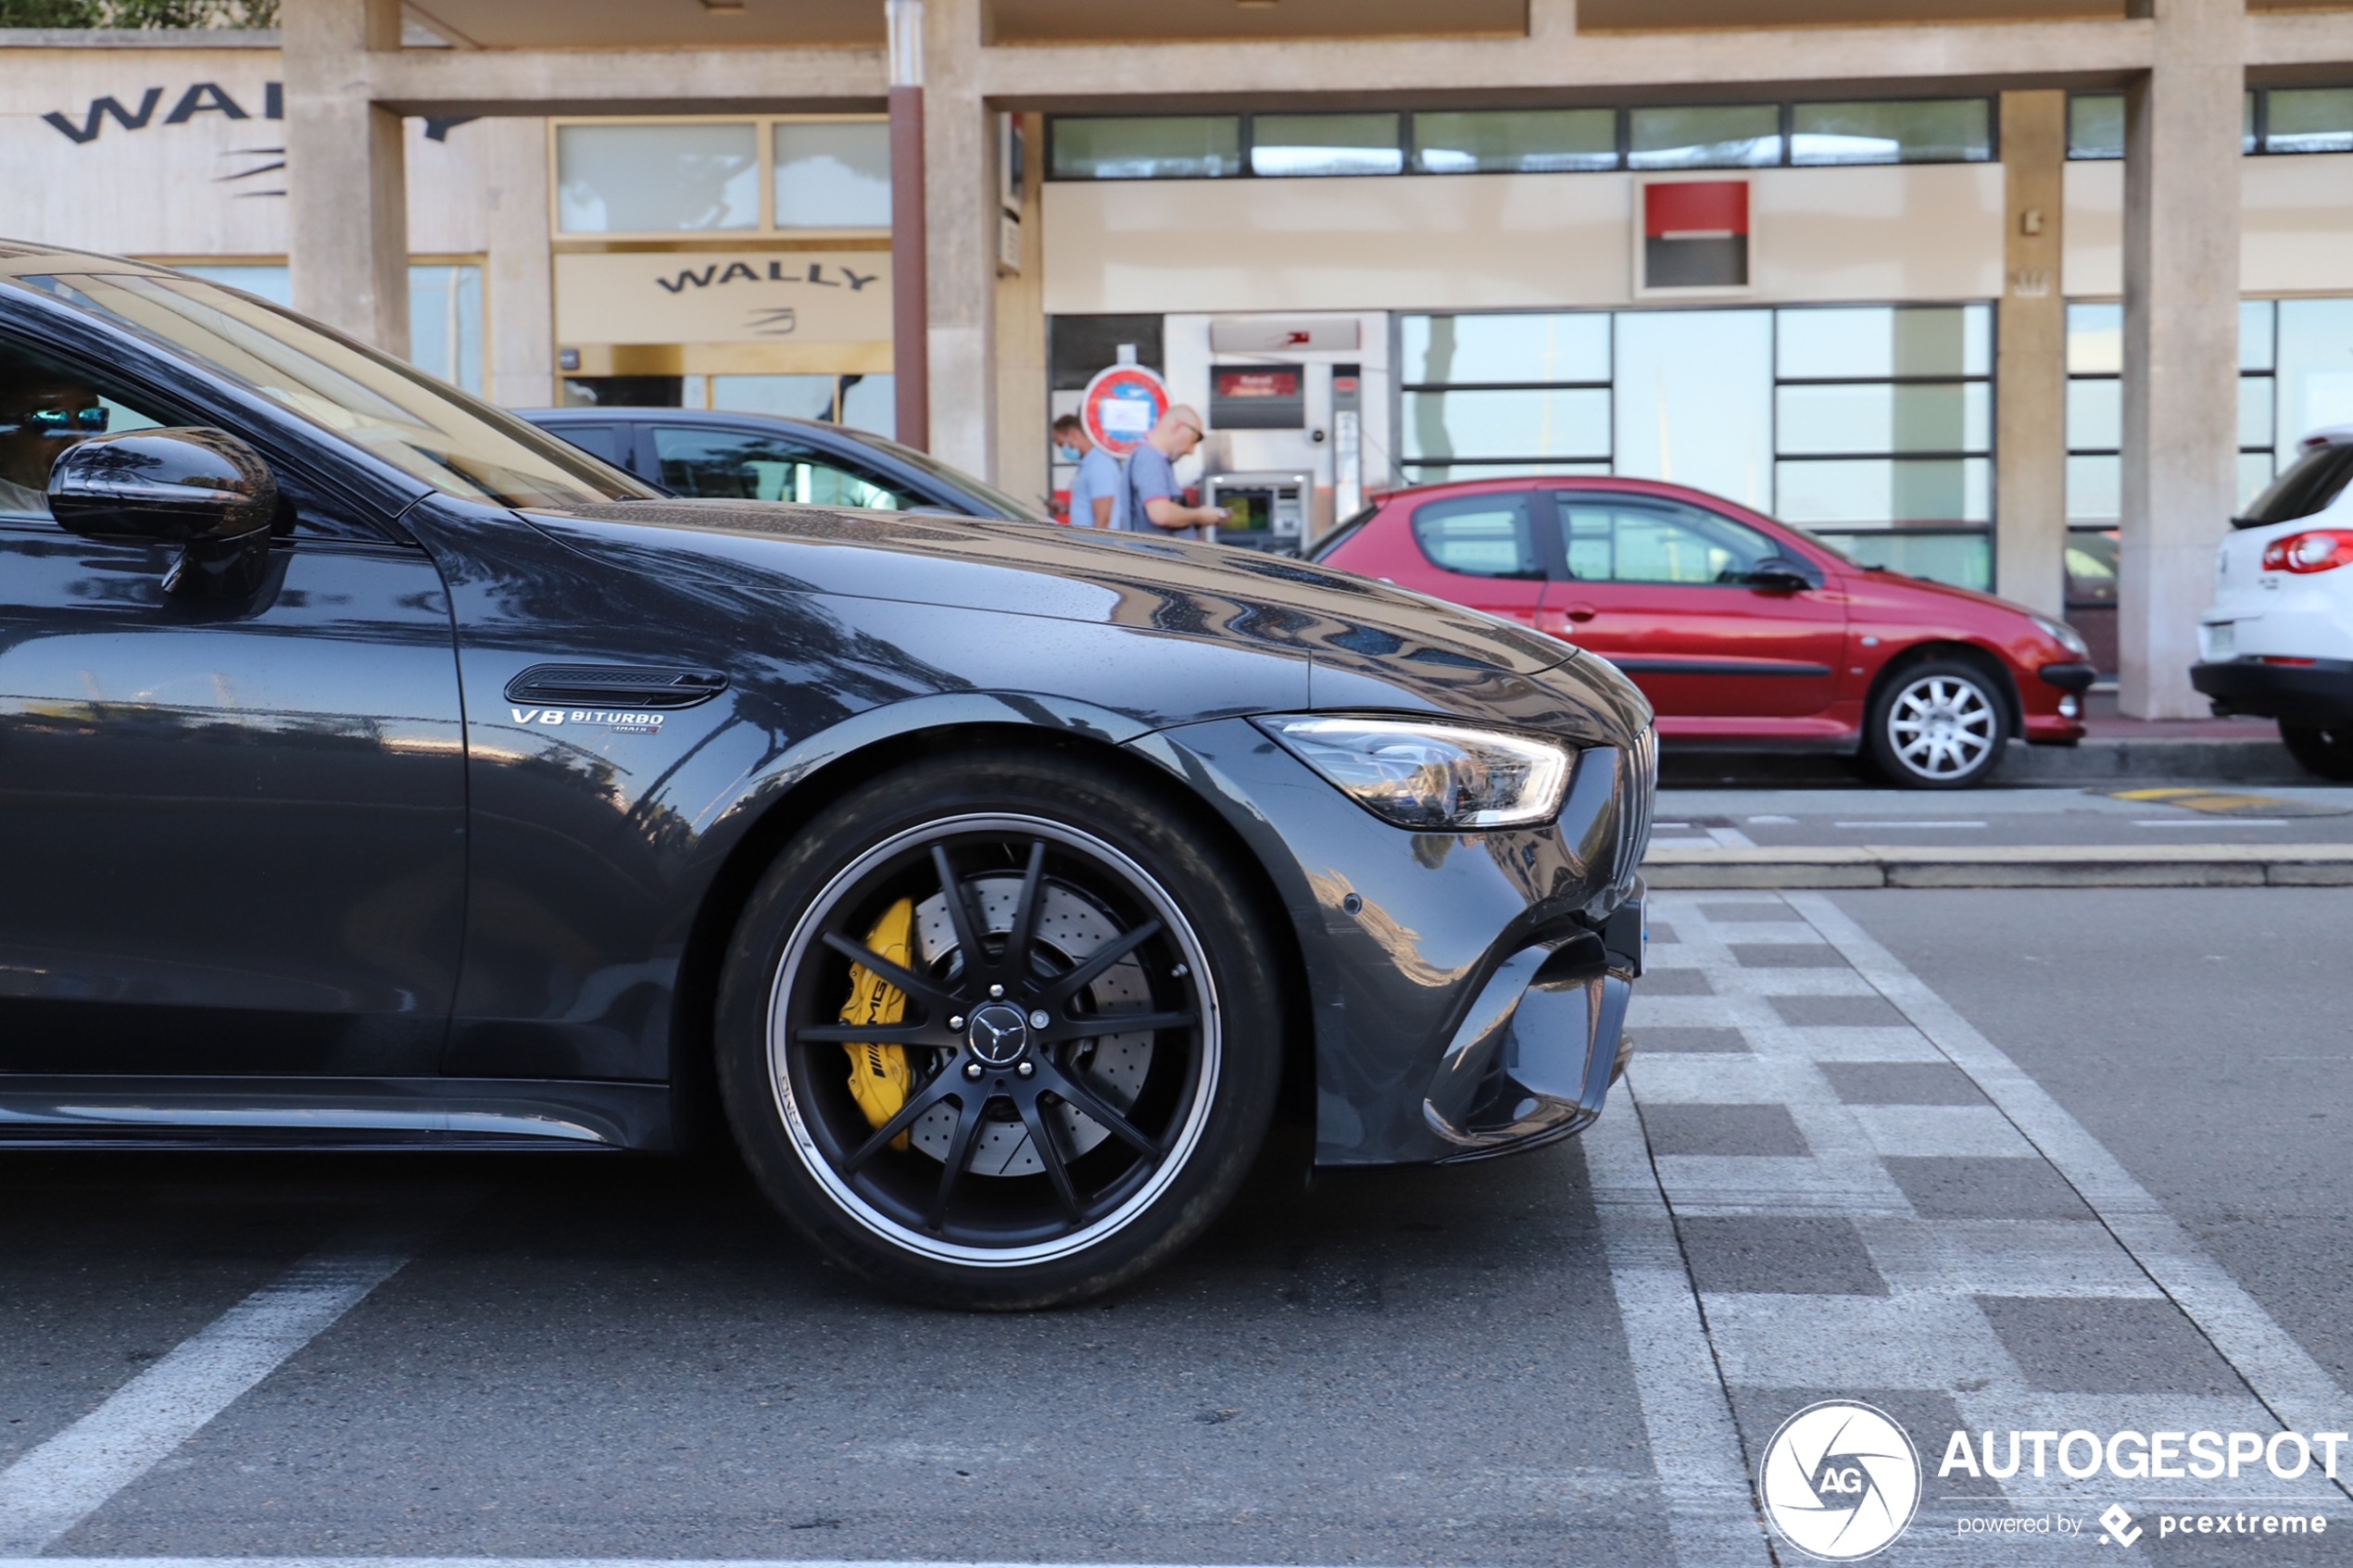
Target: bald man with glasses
[[1154, 503]]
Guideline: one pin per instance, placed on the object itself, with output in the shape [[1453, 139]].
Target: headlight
[[2062, 634], [1431, 776]]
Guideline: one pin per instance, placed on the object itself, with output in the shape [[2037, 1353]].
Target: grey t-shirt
[[1151, 477]]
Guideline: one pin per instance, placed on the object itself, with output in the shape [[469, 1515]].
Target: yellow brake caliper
[[878, 1074]]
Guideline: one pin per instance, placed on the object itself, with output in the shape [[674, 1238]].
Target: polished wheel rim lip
[[1941, 726], [1179, 1148]]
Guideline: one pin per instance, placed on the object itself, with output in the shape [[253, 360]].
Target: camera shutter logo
[[1839, 1481]]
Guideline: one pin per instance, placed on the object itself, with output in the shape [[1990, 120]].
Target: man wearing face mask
[[1098, 494]]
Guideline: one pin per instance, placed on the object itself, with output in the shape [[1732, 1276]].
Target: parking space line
[[1687, 1414], [54, 1487], [556, 1563], [2288, 1382]]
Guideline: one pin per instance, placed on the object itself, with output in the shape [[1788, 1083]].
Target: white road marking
[[1703, 1471], [2290, 1384], [1891, 822], [1731, 838], [57, 1486]]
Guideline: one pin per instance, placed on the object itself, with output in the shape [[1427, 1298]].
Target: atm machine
[[1270, 509]]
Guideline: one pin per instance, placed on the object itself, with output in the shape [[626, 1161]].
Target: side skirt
[[44, 1111]]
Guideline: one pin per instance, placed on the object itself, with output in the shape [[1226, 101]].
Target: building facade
[[2022, 295]]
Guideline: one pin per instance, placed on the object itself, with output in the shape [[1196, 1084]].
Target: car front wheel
[[2325, 749], [1000, 1033], [1940, 725]]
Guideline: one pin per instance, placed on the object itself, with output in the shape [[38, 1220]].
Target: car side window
[[1491, 535], [47, 407], [746, 465], [601, 441], [1646, 539]]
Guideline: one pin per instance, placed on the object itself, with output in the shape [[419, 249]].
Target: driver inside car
[[42, 413]]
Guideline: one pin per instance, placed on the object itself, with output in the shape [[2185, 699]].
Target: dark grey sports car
[[379, 770]]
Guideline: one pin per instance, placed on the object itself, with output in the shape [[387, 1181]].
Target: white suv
[[2278, 641]]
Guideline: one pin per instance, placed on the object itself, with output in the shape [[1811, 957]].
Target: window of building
[[1325, 144], [1884, 433], [2308, 119], [1871, 424], [1515, 140], [2095, 126], [445, 322], [1485, 395], [445, 311], [1704, 136], [1523, 140], [1926, 131], [831, 174], [630, 179], [2096, 403], [1145, 147], [764, 174]]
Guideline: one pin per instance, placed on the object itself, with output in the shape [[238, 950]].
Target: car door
[[236, 829], [1663, 589], [749, 464], [1492, 550]]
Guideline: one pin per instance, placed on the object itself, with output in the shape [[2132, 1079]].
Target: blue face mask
[[1067, 453]]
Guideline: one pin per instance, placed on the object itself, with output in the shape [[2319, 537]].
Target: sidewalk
[[2115, 750]]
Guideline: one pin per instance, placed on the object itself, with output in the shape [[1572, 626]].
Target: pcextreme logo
[[1839, 1481]]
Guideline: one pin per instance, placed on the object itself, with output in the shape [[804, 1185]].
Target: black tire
[[2325, 749], [1938, 724], [1111, 1151]]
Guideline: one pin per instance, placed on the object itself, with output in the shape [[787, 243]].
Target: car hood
[[1369, 643], [1888, 583]]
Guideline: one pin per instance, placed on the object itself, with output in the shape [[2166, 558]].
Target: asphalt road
[[2046, 1160]]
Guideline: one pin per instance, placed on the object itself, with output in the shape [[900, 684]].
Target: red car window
[[1482, 535], [1642, 539]]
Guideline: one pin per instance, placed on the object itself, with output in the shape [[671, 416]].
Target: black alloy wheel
[[2325, 749], [1942, 724], [1087, 1045]]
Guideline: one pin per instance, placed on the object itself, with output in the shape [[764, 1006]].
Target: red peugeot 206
[[1742, 632]]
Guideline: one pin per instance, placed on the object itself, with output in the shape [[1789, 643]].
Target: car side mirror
[[203, 490], [1782, 575]]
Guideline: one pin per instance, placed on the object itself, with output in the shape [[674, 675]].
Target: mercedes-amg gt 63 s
[[380, 771]]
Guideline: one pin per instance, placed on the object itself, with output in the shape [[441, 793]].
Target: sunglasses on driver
[[63, 421]]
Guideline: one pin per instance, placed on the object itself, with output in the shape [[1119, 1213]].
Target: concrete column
[[522, 302], [2030, 370], [347, 180], [2181, 127], [960, 216], [910, 262], [1021, 339]]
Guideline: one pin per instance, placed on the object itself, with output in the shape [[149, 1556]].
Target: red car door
[[1669, 593]]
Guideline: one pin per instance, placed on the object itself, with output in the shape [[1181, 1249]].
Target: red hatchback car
[[1742, 632]]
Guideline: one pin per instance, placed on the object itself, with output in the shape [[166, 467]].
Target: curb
[[2093, 760], [2093, 865]]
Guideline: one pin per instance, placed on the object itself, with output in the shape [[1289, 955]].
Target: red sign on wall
[[1120, 406], [1695, 235]]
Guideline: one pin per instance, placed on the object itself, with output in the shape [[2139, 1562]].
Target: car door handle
[[1580, 613], [630, 685]]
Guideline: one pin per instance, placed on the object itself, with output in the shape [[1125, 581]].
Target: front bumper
[[1546, 1038], [1451, 977], [2314, 691]]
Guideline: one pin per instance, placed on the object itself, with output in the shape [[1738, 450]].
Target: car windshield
[[989, 496], [422, 426]]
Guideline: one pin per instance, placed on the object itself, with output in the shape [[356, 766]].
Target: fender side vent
[[625, 685]]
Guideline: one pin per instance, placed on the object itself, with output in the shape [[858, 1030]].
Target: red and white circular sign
[[1121, 405]]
